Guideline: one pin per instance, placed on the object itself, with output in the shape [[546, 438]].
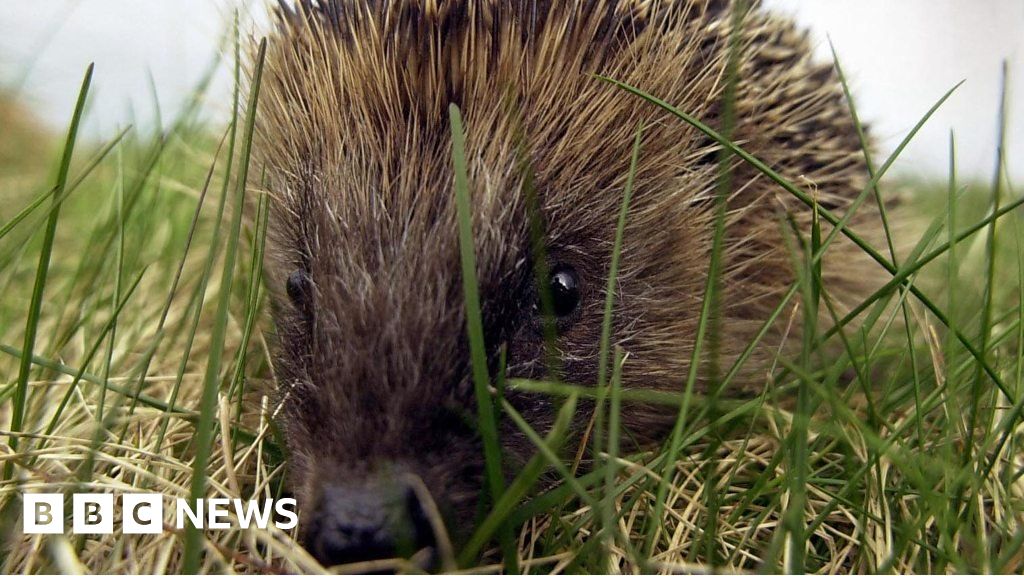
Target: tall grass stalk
[[211, 383], [32, 318]]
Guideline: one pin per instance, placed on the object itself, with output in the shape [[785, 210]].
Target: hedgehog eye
[[565, 290], [298, 287]]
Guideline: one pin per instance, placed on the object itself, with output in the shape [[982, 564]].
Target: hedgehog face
[[378, 396], [378, 402], [378, 406]]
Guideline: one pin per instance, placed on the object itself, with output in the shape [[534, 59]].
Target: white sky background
[[901, 56]]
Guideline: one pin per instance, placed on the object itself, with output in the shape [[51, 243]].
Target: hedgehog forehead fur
[[353, 133]]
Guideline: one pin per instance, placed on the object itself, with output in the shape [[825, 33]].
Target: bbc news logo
[[143, 513]]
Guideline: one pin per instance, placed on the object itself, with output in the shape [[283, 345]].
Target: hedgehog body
[[353, 131]]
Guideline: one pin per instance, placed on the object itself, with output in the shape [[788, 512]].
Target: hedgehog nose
[[358, 524]]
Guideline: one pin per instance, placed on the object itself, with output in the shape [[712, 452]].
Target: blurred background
[[901, 56]]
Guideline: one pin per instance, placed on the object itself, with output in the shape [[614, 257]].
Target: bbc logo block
[[142, 514], [92, 513], [43, 513]]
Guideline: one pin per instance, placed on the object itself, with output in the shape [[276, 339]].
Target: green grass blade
[[237, 388], [211, 383], [611, 466], [520, 486], [118, 280], [32, 321], [606, 330], [487, 422], [884, 218], [991, 249]]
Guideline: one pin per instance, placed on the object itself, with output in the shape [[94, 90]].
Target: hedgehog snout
[[378, 519]]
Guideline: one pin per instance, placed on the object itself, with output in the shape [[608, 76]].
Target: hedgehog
[[372, 360]]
